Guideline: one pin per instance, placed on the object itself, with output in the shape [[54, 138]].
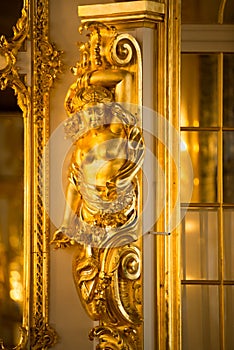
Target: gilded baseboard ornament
[[103, 210], [46, 66]]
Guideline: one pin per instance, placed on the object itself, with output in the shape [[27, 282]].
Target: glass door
[[207, 127]]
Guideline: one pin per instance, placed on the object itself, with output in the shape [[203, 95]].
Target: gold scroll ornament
[[103, 197]]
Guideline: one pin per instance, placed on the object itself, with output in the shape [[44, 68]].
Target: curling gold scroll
[[103, 195]]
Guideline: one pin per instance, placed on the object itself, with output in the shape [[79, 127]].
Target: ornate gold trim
[[34, 102], [9, 77], [46, 66], [104, 105]]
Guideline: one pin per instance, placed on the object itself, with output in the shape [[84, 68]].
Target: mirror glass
[[11, 217], [11, 196], [10, 11]]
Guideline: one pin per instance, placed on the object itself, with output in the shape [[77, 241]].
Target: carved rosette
[[107, 267]]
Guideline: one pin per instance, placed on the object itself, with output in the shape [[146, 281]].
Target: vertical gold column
[[168, 247]]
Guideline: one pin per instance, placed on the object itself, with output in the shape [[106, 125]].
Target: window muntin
[[208, 226]]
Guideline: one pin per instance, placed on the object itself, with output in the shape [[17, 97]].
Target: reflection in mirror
[[11, 218], [10, 12]]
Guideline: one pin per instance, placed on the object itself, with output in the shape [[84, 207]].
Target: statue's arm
[[73, 200], [118, 78]]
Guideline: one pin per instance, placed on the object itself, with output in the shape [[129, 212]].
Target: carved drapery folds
[[103, 211]]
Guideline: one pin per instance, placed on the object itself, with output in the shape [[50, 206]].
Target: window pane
[[199, 90], [200, 245], [200, 11], [202, 147], [228, 316], [228, 90], [200, 317], [228, 244], [228, 167]]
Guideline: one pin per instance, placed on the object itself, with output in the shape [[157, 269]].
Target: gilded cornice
[[124, 15]]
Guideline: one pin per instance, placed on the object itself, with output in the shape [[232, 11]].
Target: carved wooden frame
[[33, 28]]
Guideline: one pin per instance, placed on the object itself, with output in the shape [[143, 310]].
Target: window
[[207, 127]]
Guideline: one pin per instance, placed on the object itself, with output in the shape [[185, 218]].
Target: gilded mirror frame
[[30, 38]]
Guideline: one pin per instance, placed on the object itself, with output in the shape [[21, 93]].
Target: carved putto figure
[[103, 193], [102, 190]]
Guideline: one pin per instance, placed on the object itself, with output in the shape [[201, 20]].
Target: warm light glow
[[183, 115], [196, 147], [196, 181], [196, 123], [190, 226], [16, 291], [183, 146], [14, 241]]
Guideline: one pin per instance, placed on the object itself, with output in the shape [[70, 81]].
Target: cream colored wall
[[66, 314]]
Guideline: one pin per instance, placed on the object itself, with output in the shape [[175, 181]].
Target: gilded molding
[[123, 15], [103, 210], [46, 66], [46, 61], [23, 341], [9, 77], [34, 102]]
